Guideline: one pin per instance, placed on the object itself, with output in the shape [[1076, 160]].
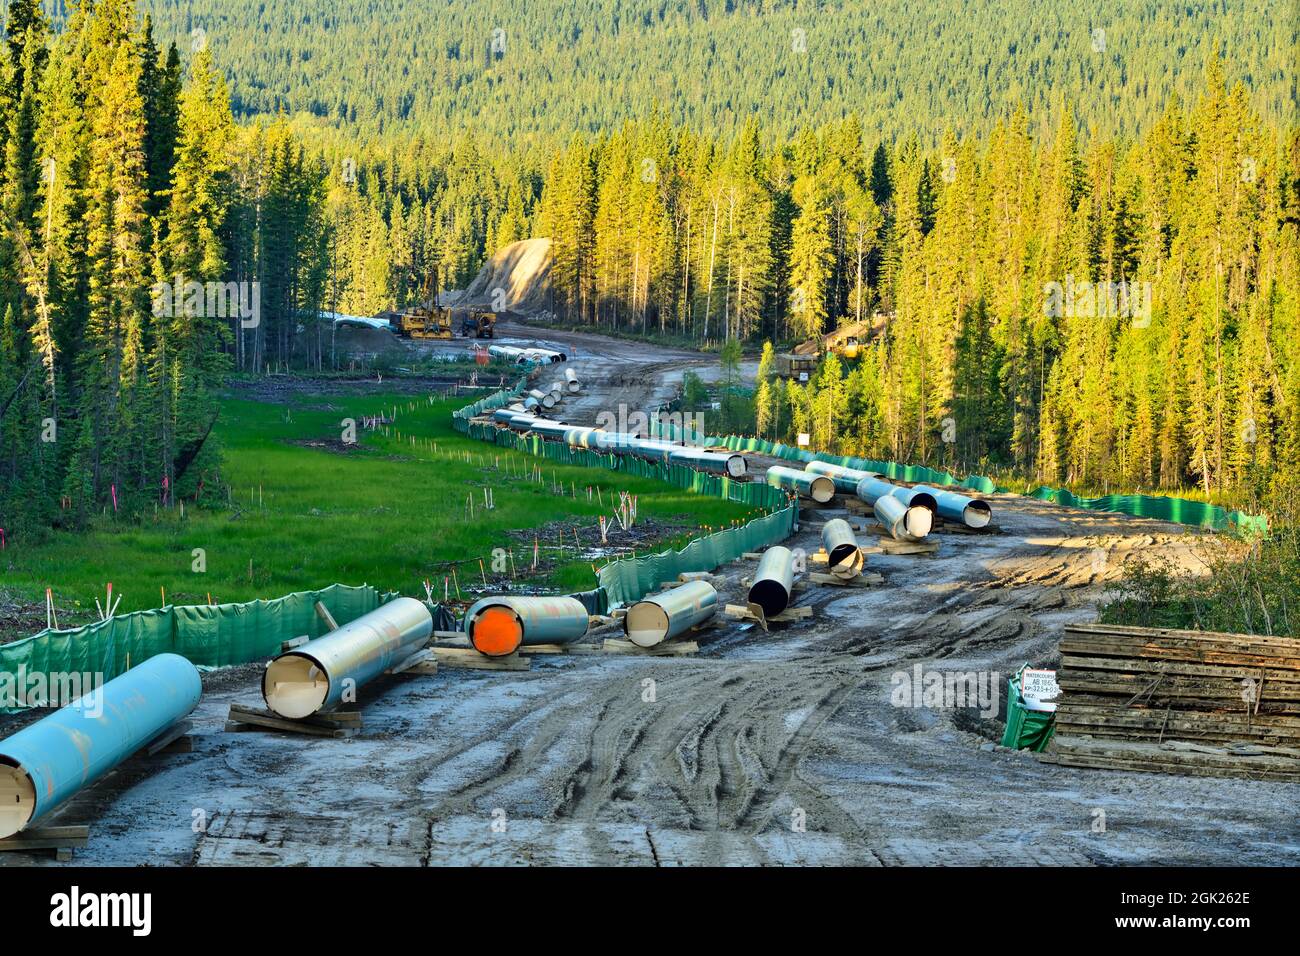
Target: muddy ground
[[785, 747]]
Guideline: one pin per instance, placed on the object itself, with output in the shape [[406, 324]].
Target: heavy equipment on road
[[426, 320], [479, 324]]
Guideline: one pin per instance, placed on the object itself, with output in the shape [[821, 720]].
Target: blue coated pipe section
[[872, 490], [318, 675], [972, 512], [47, 762], [917, 497], [846, 479]]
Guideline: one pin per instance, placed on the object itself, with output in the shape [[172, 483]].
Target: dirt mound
[[355, 340], [522, 273]]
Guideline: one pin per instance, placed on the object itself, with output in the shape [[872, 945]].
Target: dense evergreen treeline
[[542, 68], [1117, 314], [125, 186], [974, 260]]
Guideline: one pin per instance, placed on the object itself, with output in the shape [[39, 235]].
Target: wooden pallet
[[64, 839], [337, 724], [1228, 697], [754, 613], [673, 648], [892, 546], [422, 662], [821, 557], [865, 580], [468, 658], [1195, 760], [942, 525], [293, 643], [808, 509], [61, 839], [175, 739]]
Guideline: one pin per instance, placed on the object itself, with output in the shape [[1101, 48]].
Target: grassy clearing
[[306, 511]]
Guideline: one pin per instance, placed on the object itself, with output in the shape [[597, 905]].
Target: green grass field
[[306, 511]]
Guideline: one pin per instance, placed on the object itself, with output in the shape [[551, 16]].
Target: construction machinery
[[794, 366], [479, 324], [426, 320], [846, 341]]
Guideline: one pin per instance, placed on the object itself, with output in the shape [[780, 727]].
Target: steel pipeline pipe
[[729, 464], [622, 443], [917, 497], [843, 556], [544, 399], [557, 389], [571, 381], [870, 489], [548, 429], [617, 443], [581, 437], [314, 677], [499, 626], [846, 479], [545, 356], [47, 762], [817, 487], [902, 522], [773, 581], [654, 620], [654, 449], [972, 512]]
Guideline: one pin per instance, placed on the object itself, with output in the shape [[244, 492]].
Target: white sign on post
[[803, 440], [1039, 689]]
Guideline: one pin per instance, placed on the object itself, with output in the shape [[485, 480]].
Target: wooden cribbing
[[1174, 701]]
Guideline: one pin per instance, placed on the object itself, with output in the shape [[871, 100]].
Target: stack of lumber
[[1191, 702]]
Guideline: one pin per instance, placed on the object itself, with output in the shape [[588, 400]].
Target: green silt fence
[[1178, 510], [630, 579], [207, 635]]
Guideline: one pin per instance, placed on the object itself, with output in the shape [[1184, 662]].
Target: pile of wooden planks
[[1170, 701]]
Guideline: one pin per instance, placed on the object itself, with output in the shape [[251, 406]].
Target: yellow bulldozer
[[427, 320]]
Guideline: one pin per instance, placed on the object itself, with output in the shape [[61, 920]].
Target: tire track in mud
[[715, 750]]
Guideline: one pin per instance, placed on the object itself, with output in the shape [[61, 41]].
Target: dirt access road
[[766, 748]]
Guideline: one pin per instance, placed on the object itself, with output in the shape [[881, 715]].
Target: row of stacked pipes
[[45, 763], [522, 356]]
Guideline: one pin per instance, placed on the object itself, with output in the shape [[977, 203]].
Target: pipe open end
[[736, 466], [17, 799], [771, 596], [845, 561], [823, 489], [294, 686], [977, 514], [646, 624], [918, 521], [923, 499], [496, 631]]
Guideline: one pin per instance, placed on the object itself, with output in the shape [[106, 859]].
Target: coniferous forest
[[1089, 278]]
